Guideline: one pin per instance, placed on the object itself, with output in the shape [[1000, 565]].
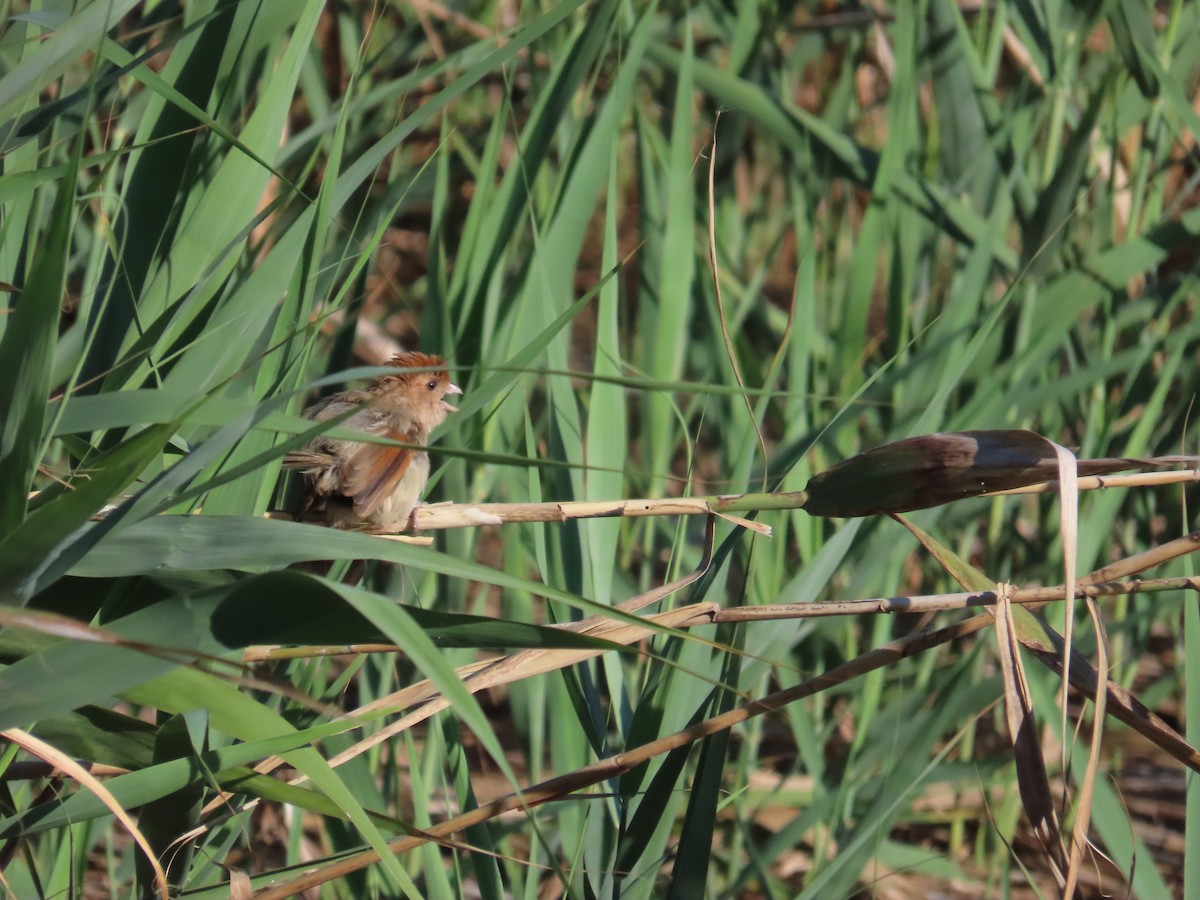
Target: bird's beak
[[453, 389]]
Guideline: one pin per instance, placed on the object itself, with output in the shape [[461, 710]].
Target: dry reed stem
[[1083, 679], [1121, 705], [606, 769], [439, 516], [506, 669], [714, 614]]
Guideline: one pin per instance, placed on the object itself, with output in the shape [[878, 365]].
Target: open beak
[[453, 389]]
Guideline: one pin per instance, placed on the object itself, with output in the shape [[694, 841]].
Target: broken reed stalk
[[436, 516]]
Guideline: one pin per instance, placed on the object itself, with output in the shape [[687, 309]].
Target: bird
[[375, 487]]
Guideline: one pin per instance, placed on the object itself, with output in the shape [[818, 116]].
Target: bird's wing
[[317, 455], [373, 471], [308, 459]]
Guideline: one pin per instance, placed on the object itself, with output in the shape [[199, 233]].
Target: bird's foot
[[412, 517]]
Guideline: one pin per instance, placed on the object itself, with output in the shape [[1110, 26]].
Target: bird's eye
[[432, 385]]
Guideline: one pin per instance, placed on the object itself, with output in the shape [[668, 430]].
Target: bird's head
[[419, 389]]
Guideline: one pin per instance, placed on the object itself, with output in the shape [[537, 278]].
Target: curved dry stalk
[[722, 316], [1033, 782], [60, 761]]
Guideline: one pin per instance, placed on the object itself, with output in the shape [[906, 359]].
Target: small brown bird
[[353, 484]]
